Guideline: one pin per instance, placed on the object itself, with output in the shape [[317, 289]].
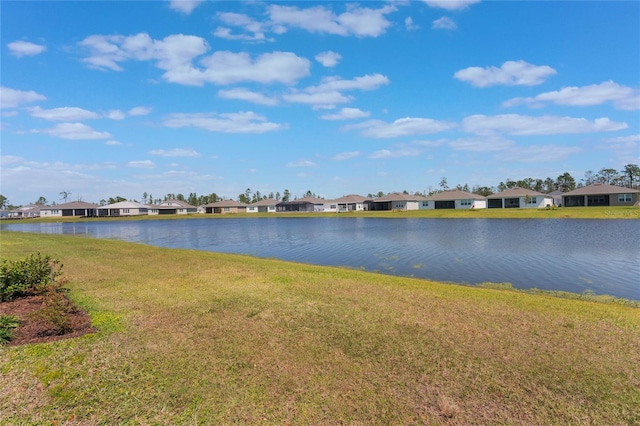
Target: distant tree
[[589, 178], [180, 197], [565, 182], [271, 195], [443, 184], [193, 199], [244, 199], [464, 187], [380, 194], [308, 194], [485, 191], [41, 201], [277, 196], [608, 176], [144, 197], [117, 199], [150, 199], [64, 195], [286, 196], [632, 174], [3, 201], [103, 202]]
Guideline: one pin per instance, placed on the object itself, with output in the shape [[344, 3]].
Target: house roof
[[226, 203], [125, 205], [171, 204], [74, 205], [600, 188], [398, 196], [267, 202], [351, 198], [305, 200], [30, 207], [517, 192], [454, 194]]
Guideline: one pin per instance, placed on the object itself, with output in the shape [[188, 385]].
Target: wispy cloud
[[524, 125], [510, 73], [241, 122], [24, 48], [12, 98], [176, 152], [444, 23]]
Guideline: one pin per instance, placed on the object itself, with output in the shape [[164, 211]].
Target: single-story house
[[557, 197], [601, 194], [351, 203], [225, 207], [455, 199], [32, 210], [519, 198], [172, 207], [397, 201], [74, 208], [267, 205], [123, 208], [305, 204]]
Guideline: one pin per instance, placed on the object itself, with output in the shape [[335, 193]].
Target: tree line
[[628, 177]]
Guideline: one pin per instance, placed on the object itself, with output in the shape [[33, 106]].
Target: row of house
[[591, 195]]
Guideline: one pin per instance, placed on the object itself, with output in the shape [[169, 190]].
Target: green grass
[[616, 212], [190, 337]]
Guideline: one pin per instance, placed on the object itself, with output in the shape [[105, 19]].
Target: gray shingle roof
[[517, 192], [600, 188]]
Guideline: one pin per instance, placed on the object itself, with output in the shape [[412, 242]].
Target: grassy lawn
[[190, 337], [558, 213]]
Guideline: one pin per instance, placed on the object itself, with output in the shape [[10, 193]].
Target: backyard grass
[[188, 337]]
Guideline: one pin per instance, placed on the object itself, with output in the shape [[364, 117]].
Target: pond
[[602, 256]]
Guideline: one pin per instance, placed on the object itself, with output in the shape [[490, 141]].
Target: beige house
[[123, 208], [172, 207], [455, 199], [225, 207], [74, 208], [601, 194], [263, 206], [351, 203], [519, 198]]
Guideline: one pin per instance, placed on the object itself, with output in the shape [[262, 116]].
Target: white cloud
[[63, 114], [247, 95], [319, 100], [511, 73], [622, 97], [176, 152], [303, 163], [184, 6], [401, 151], [116, 114], [409, 25], [138, 111], [450, 4], [346, 114], [537, 153], [365, 82], [328, 59], [175, 55], [74, 131], [481, 144], [408, 126], [12, 98], [523, 125], [256, 29], [113, 143], [342, 156], [444, 23], [142, 164], [241, 122], [624, 139], [282, 67], [358, 21], [25, 48]]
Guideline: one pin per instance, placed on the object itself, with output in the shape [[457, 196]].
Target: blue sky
[[105, 99]]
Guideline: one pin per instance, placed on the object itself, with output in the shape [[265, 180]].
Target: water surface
[[571, 255]]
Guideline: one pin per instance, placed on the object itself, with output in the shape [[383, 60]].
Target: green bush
[[54, 313], [33, 275], [7, 324]]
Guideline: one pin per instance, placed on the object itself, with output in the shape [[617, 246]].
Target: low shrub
[[7, 324], [54, 313], [32, 275]]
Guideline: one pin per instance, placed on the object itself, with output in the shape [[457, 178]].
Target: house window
[[54, 211], [125, 210], [333, 206], [466, 202], [399, 206], [532, 200], [624, 198], [226, 209], [425, 204]]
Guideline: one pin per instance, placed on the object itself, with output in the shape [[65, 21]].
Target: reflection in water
[[571, 255]]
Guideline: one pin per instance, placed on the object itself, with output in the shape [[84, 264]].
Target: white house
[[455, 199], [263, 206], [172, 207], [519, 198], [123, 208], [351, 203], [398, 201], [74, 208]]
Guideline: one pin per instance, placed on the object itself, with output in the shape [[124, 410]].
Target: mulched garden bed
[[34, 330]]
